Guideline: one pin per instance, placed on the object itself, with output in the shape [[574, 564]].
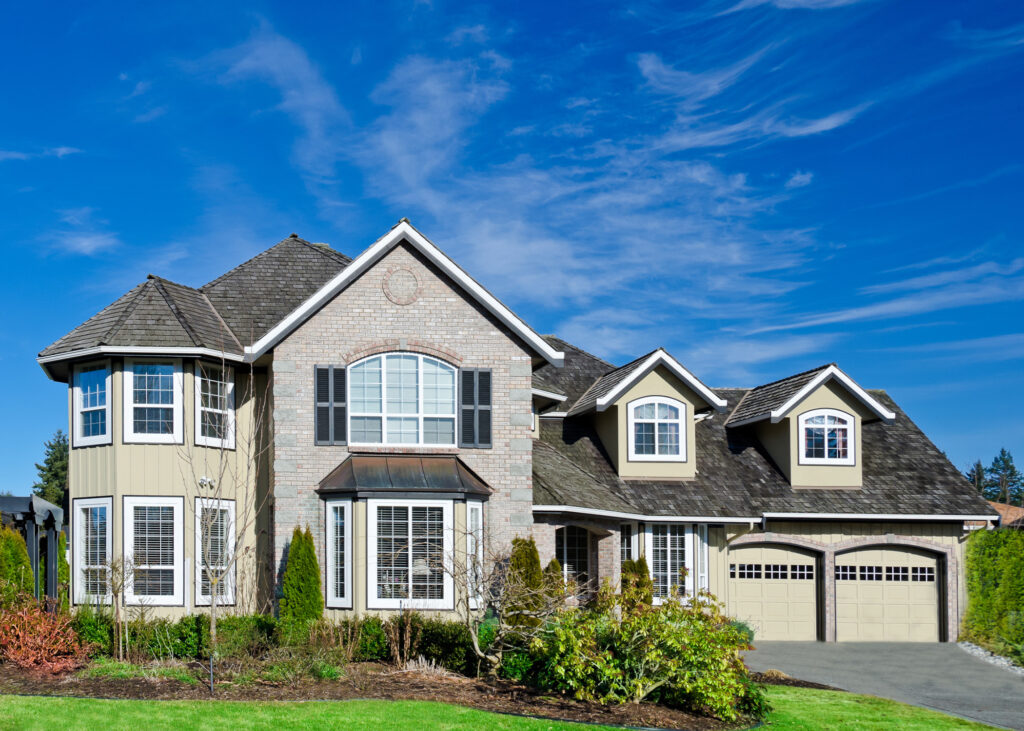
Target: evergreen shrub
[[301, 597]]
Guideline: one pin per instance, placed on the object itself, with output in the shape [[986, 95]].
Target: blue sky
[[760, 186]]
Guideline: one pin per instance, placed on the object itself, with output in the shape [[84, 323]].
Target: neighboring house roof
[[245, 312], [1012, 516], [904, 475], [578, 372], [606, 389], [157, 314], [776, 399]]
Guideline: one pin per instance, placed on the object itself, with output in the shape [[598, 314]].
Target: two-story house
[[411, 420]]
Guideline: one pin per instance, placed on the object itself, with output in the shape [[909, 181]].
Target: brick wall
[[365, 318]]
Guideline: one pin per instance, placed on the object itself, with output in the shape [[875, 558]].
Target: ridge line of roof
[[576, 347], [221, 320], [794, 375], [129, 308], [329, 251], [158, 282], [738, 404]]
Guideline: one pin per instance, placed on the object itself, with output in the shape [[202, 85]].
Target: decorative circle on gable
[[401, 286]]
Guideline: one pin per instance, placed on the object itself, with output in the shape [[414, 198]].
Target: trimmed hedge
[[15, 570], [995, 591]]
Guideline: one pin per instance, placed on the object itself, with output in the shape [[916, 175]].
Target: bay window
[[153, 543], [401, 398], [153, 401], [91, 400], [91, 525], [215, 405], [409, 547], [338, 515], [215, 549], [826, 437], [657, 430]]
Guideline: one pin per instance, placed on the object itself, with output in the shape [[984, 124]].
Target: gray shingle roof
[[578, 373], [903, 473], [258, 294], [238, 307], [760, 401], [605, 384]]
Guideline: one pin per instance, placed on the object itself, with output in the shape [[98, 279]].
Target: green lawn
[[796, 709]]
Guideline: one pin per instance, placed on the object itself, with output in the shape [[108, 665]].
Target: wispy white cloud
[[952, 276], [82, 232], [689, 87], [800, 179], [990, 349], [150, 114], [988, 40], [58, 152], [793, 4], [468, 34]]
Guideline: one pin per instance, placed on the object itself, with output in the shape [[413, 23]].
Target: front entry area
[[774, 588], [887, 594]]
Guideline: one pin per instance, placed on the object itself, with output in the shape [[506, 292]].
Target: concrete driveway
[[939, 675]]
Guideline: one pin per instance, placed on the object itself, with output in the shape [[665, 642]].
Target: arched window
[[401, 398], [826, 437], [657, 430]]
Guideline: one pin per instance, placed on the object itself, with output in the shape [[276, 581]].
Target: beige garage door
[[774, 589], [887, 595]]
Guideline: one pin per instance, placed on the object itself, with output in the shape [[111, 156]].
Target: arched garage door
[[887, 594], [774, 589]]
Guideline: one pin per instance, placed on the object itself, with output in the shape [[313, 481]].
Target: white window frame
[[128, 378], [631, 431], [334, 601], [78, 536], [634, 540], [695, 545], [474, 551], [851, 437], [419, 415], [228, 598], [372, 601], [228, 442], [128, 532], [77, 438]]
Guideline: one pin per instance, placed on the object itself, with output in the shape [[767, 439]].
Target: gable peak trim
[[661, 357], [832, 372]]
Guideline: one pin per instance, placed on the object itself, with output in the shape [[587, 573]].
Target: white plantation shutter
[[153, 548]]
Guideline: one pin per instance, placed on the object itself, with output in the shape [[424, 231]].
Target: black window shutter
[[340, 411], [331, 421], [322, 389], [475, 407]]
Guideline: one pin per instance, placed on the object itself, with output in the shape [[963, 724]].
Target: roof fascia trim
[[139, 350], [637, 516], [404, 230], [829, 373], [660, 357], [551, 395], [876, 516]]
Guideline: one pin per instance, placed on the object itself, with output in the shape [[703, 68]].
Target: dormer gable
[[811, 425], [645, 413]]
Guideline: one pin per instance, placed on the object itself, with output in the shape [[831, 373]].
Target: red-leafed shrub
[[35, 639]]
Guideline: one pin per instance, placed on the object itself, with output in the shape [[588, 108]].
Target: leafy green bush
[[518, 666], [636, 581], [15, 570], [448, 644], [373, 641], [301, 598], [621, 650], [250, 635], [161, 639], [95, 627], [995, 591], [63, 574], [744, 629]]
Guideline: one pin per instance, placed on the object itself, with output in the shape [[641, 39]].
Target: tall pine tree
[[1004, 482], [976, 476], [53, 472]]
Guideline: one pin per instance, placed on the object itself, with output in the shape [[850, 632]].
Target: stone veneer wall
[[386, 310]]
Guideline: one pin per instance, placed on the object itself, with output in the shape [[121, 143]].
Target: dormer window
[[826, 437], [657, 430]]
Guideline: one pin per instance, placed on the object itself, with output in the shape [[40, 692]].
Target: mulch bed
[[370, 681]]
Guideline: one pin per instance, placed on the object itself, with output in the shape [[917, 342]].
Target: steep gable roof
[[259, 293], [610, 386], [579, 371], [776, 399]]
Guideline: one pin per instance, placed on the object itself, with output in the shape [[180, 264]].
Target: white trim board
[[403, 231], [551, 395], [832, 372], [660, 357], [640, 517], [873, 516]]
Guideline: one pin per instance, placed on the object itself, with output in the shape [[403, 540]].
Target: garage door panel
[[882, 594], [768, 589]]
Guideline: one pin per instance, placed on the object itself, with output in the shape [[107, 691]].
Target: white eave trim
[[660, 357], [831, 372], [404, 231], [139, 350], [550, 395], [873, 516], [640, 517]]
